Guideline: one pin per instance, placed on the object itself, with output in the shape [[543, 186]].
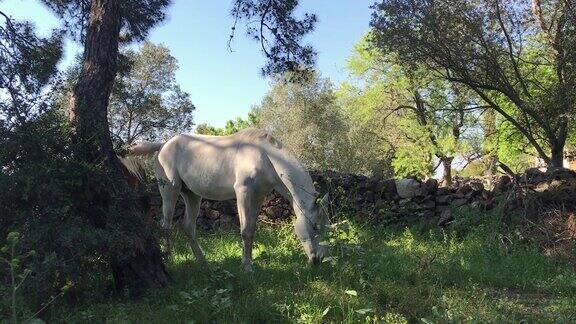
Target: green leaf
[[13, 237], [364, 311], [15, 262], [351, 292], [173, 307]]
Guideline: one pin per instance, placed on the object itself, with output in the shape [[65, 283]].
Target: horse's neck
[[295, 180], [299, 190]]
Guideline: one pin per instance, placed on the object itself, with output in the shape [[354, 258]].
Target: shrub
[[64, 211]]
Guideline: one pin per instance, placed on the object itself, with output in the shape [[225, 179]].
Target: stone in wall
[[409, 188]]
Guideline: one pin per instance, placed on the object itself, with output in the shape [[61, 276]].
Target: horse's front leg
[[192, 203], [248, 207], [247, 224]]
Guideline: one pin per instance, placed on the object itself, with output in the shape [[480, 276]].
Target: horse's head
[[311, 228]]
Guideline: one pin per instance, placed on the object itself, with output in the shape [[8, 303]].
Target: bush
[[64, 211]]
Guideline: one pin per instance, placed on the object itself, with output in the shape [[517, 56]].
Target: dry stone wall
[[380, 200]]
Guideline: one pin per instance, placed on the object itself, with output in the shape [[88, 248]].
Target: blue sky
[[224, 85]]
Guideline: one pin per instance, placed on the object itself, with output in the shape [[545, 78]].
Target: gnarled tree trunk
[[556, 155], [490, 138], [447, 167], [88, 116]]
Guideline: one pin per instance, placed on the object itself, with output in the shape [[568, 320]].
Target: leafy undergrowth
[[374, 274]]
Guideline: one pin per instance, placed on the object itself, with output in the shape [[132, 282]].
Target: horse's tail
[[133, 167], [144, 148], [133, 170]]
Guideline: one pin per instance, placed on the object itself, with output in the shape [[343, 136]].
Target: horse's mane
[[291, 172], [258, 134]]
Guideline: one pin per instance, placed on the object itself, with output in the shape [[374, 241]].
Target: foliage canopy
[[513, 54]]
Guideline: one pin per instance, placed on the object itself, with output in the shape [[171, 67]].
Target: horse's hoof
[[314, 261]]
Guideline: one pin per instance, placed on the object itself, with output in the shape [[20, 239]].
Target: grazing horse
[[247, 166]]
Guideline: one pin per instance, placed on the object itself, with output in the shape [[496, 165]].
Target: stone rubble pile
[[555, 188]]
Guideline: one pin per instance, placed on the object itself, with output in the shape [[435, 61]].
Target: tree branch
[[511, 51]]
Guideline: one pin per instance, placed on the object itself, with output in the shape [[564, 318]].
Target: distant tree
[[423, 115], [372, 137], [512, 148], [146, 102], [515, 55], [305, 117], [28, 65], [231, 127], [206, 129], [238, 124]]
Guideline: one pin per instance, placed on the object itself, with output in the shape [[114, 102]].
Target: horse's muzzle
[[165, 225], [315, 260]]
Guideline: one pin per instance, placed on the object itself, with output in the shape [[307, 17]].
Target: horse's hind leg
[[169, 185], [249, 204], [169, 192], [192, 202]]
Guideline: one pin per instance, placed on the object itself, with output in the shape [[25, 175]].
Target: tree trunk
[[557, 155], [490, 140], [88, 116], [571, 157], [447, 165]]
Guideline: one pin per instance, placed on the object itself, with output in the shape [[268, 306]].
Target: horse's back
[[211, 166]]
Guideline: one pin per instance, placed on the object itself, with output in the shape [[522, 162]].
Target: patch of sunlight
[[325, 289], [565, 305], [181, 257], [406, 242], [225, 249], [469, 305], [257, 250], [511, 305], [464, 263], [394, 318], [307, 313]]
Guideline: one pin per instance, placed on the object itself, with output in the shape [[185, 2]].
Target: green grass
[[375, 274]]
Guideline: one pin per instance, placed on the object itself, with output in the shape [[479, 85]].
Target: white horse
[[247, 166]]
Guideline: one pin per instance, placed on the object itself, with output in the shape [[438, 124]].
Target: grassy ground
[[375, 274]]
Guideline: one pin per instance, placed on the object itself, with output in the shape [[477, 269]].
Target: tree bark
[[88, 116], [447, 165], [571, 157], [490, 140], [556, 155], [507, 170]]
